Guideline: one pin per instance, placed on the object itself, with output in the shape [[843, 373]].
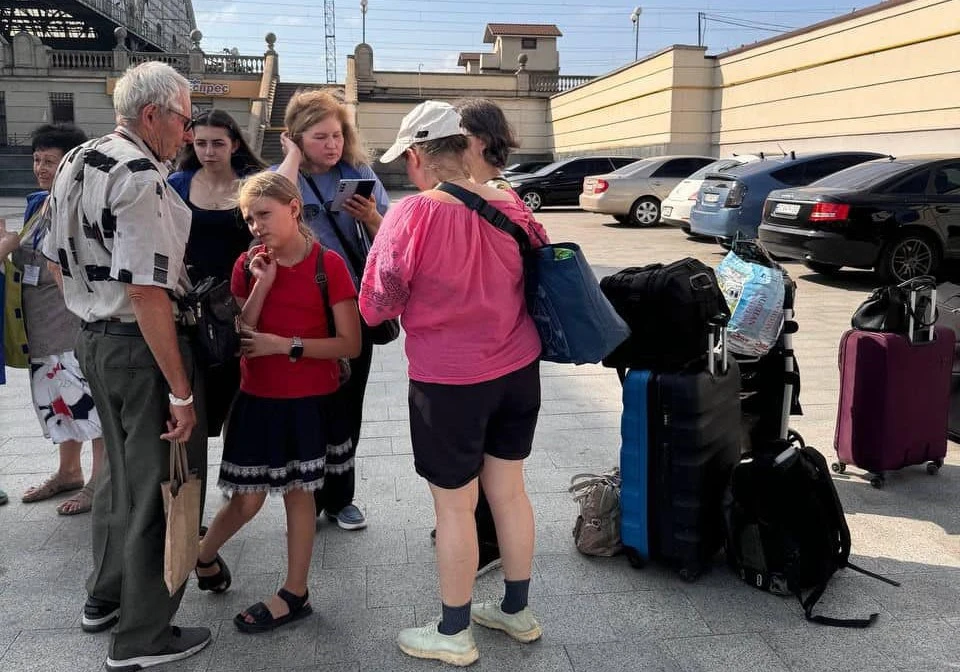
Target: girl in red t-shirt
[[282, 426]]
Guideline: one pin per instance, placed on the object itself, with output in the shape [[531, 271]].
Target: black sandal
[[217, 583], [263, 620]]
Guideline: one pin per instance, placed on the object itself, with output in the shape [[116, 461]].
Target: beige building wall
[[378, 122], [659, 105], [28, 103], [544, 58], [882, 80]]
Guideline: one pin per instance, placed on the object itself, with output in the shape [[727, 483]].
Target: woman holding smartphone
[[322, 148]]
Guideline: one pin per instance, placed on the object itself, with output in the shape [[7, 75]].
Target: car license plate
[[786, 209], [711, 198], [667, 210]]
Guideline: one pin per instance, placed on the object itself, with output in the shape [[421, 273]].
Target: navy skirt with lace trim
[[278, 445]]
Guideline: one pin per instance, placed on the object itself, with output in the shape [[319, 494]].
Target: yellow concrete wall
[[634, 110], [451, 81], [885, 81], [378, 122]]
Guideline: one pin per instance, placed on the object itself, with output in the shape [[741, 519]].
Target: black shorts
[[453, 426]]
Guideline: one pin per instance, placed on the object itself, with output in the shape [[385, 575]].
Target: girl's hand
[[264, 268], [362, 209], [257, 344], [290, 148]]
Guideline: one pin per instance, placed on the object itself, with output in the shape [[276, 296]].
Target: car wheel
[[645, 212], [686, 230], [909, 256], [822, 268], [533, 199]]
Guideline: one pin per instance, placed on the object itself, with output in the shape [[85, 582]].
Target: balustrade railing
[[546, 83]]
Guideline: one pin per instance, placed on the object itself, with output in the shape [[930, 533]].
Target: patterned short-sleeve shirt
[[115, 221]]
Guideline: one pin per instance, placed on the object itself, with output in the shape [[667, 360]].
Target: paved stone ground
[[598, 615]]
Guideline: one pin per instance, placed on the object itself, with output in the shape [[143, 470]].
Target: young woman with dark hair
[[207, 179], [42, 332]]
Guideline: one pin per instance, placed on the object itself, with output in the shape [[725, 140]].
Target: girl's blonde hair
[[307, 108], [268, 184]]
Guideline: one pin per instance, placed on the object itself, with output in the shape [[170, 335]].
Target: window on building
[[528, 43], [61, 108]]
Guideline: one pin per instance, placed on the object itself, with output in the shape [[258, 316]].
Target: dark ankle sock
[[515, 596], [455, 619]]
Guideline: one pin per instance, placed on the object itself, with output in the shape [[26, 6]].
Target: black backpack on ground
[[668, 309], [786, 532]]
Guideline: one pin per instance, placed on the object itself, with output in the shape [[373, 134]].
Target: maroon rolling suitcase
[[894, 400]]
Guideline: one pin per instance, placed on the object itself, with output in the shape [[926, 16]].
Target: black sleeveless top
[[217, 239]]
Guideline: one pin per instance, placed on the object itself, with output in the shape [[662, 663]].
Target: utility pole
[[635, 18], [330, 33], [363, 14]]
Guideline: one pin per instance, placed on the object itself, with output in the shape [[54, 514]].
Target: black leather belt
[[113, 328]]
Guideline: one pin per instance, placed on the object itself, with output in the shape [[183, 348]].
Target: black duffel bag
[[668, 309], [213, 313]]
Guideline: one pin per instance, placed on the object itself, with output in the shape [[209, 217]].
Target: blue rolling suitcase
[[680, 440]]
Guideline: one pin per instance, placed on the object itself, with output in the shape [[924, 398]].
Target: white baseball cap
[[429, 120]]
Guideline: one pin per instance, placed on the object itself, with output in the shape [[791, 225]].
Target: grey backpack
[[597, 530]]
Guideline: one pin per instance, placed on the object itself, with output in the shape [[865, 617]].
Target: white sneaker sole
[[132, 664], [489, 567], [88, 624], [458, 659], [525, 637]]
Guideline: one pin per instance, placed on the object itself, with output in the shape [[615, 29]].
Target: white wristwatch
[[176, 401]]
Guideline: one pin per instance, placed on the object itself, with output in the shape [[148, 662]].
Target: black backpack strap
[[488, 212], [321, 280], [812, 600]]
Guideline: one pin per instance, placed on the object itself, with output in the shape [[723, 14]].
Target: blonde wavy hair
[[310, 107], [268, 184]]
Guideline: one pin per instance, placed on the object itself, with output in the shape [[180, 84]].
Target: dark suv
[[561, 182]]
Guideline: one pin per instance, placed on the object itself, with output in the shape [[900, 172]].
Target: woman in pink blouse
[[456, 282]]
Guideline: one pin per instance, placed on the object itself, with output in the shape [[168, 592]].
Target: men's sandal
[[215, 583], [264, 621]]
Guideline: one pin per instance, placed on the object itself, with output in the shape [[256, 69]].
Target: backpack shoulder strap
[[479, 205], [321, 279]]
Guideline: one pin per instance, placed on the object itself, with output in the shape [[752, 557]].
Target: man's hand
[[183, 420]]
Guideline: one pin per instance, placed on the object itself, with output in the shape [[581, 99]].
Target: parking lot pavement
[[597, 614]]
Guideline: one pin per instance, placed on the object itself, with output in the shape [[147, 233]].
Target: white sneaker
[[522, 626], [429, 642]]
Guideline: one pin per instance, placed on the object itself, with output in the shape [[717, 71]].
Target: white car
[[675, 209]]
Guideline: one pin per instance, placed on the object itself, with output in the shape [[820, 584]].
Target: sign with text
[[213, 88]]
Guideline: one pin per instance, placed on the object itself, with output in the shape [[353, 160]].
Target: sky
[[430, 34]]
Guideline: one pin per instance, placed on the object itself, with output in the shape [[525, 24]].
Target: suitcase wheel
[[934, 466], [877, 480], [838, 467], [689, 574], [635, 559]]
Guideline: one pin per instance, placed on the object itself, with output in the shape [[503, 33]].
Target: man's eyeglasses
[[187, 121]]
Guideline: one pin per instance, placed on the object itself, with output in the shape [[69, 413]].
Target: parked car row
[[898, 216]]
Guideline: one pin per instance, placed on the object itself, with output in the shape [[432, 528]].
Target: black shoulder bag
[[388, 330]]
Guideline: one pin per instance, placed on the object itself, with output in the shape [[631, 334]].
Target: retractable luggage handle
[[923, 312], [717, 334]]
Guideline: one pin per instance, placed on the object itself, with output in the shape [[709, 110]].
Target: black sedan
[[899, 216]]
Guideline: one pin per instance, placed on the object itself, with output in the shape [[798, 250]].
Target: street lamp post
[[635, 18], [363, 14]]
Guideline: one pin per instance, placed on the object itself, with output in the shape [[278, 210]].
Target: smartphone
[[347, 188]]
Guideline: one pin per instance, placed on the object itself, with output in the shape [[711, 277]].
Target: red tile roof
[[494, 30]]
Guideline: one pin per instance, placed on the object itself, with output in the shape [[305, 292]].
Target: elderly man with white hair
[[118, 235]]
